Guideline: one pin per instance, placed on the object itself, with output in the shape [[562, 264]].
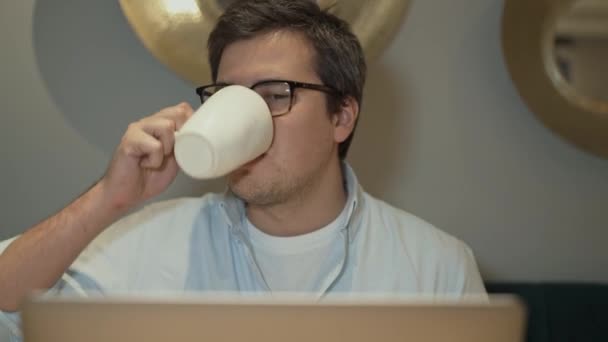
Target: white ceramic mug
[[231, 128]]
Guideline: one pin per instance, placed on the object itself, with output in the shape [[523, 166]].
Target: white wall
[[443, 134]]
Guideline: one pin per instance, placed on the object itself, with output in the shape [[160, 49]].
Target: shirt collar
[[234, 211]]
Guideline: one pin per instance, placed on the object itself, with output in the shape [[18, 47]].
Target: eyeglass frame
[[293, 85]]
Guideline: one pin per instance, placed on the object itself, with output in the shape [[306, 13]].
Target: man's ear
[[344, 120]]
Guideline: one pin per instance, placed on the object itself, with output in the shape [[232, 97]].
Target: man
[[294, 219]]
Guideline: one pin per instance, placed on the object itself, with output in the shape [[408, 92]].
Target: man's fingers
[[144, 147], [152, 138], [179, 114], [162, 129]]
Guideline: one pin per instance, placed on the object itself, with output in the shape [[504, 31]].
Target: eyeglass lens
[[277, 95]]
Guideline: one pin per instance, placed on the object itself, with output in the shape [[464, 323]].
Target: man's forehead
[[270, 55], [278, 40]]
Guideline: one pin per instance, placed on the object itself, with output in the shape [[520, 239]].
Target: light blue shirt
[[202, 244]]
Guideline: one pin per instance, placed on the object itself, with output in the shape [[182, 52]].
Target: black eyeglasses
[[278, 94]]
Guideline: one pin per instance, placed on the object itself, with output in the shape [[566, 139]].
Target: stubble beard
[[267, 190]]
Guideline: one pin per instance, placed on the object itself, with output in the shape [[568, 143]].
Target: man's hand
[[143, 165]]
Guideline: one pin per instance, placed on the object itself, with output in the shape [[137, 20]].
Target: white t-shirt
[[298, 263]]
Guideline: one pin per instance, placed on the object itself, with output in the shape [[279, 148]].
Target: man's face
[[304, 139]]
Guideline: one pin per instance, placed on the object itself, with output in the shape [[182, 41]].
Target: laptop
[[272, 319]]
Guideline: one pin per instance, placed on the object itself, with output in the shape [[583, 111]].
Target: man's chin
[[242, 191], [245, 171], [250, 189], [254, 162], [240, 180]]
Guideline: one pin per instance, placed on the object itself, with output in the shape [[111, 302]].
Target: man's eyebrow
[[260, 80], [223, 83], [268, 79]]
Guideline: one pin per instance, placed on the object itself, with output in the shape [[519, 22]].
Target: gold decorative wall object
[[534, 35], [176, 31]]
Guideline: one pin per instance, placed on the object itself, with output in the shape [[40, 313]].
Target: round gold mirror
[[557, 54], [580, 52], [176, 31]]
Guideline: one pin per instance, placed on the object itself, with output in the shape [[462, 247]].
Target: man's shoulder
[[159, 226], [172, 217], [419, 237], [441, 262], [188, 206]]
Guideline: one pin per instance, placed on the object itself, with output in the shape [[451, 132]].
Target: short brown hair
[[339, 60]]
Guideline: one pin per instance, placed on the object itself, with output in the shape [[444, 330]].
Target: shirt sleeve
[[106, 265], [457, 274], [72, 283], [471, 283], [9, 322]]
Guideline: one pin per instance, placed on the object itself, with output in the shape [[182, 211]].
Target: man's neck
[[306, 212]]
